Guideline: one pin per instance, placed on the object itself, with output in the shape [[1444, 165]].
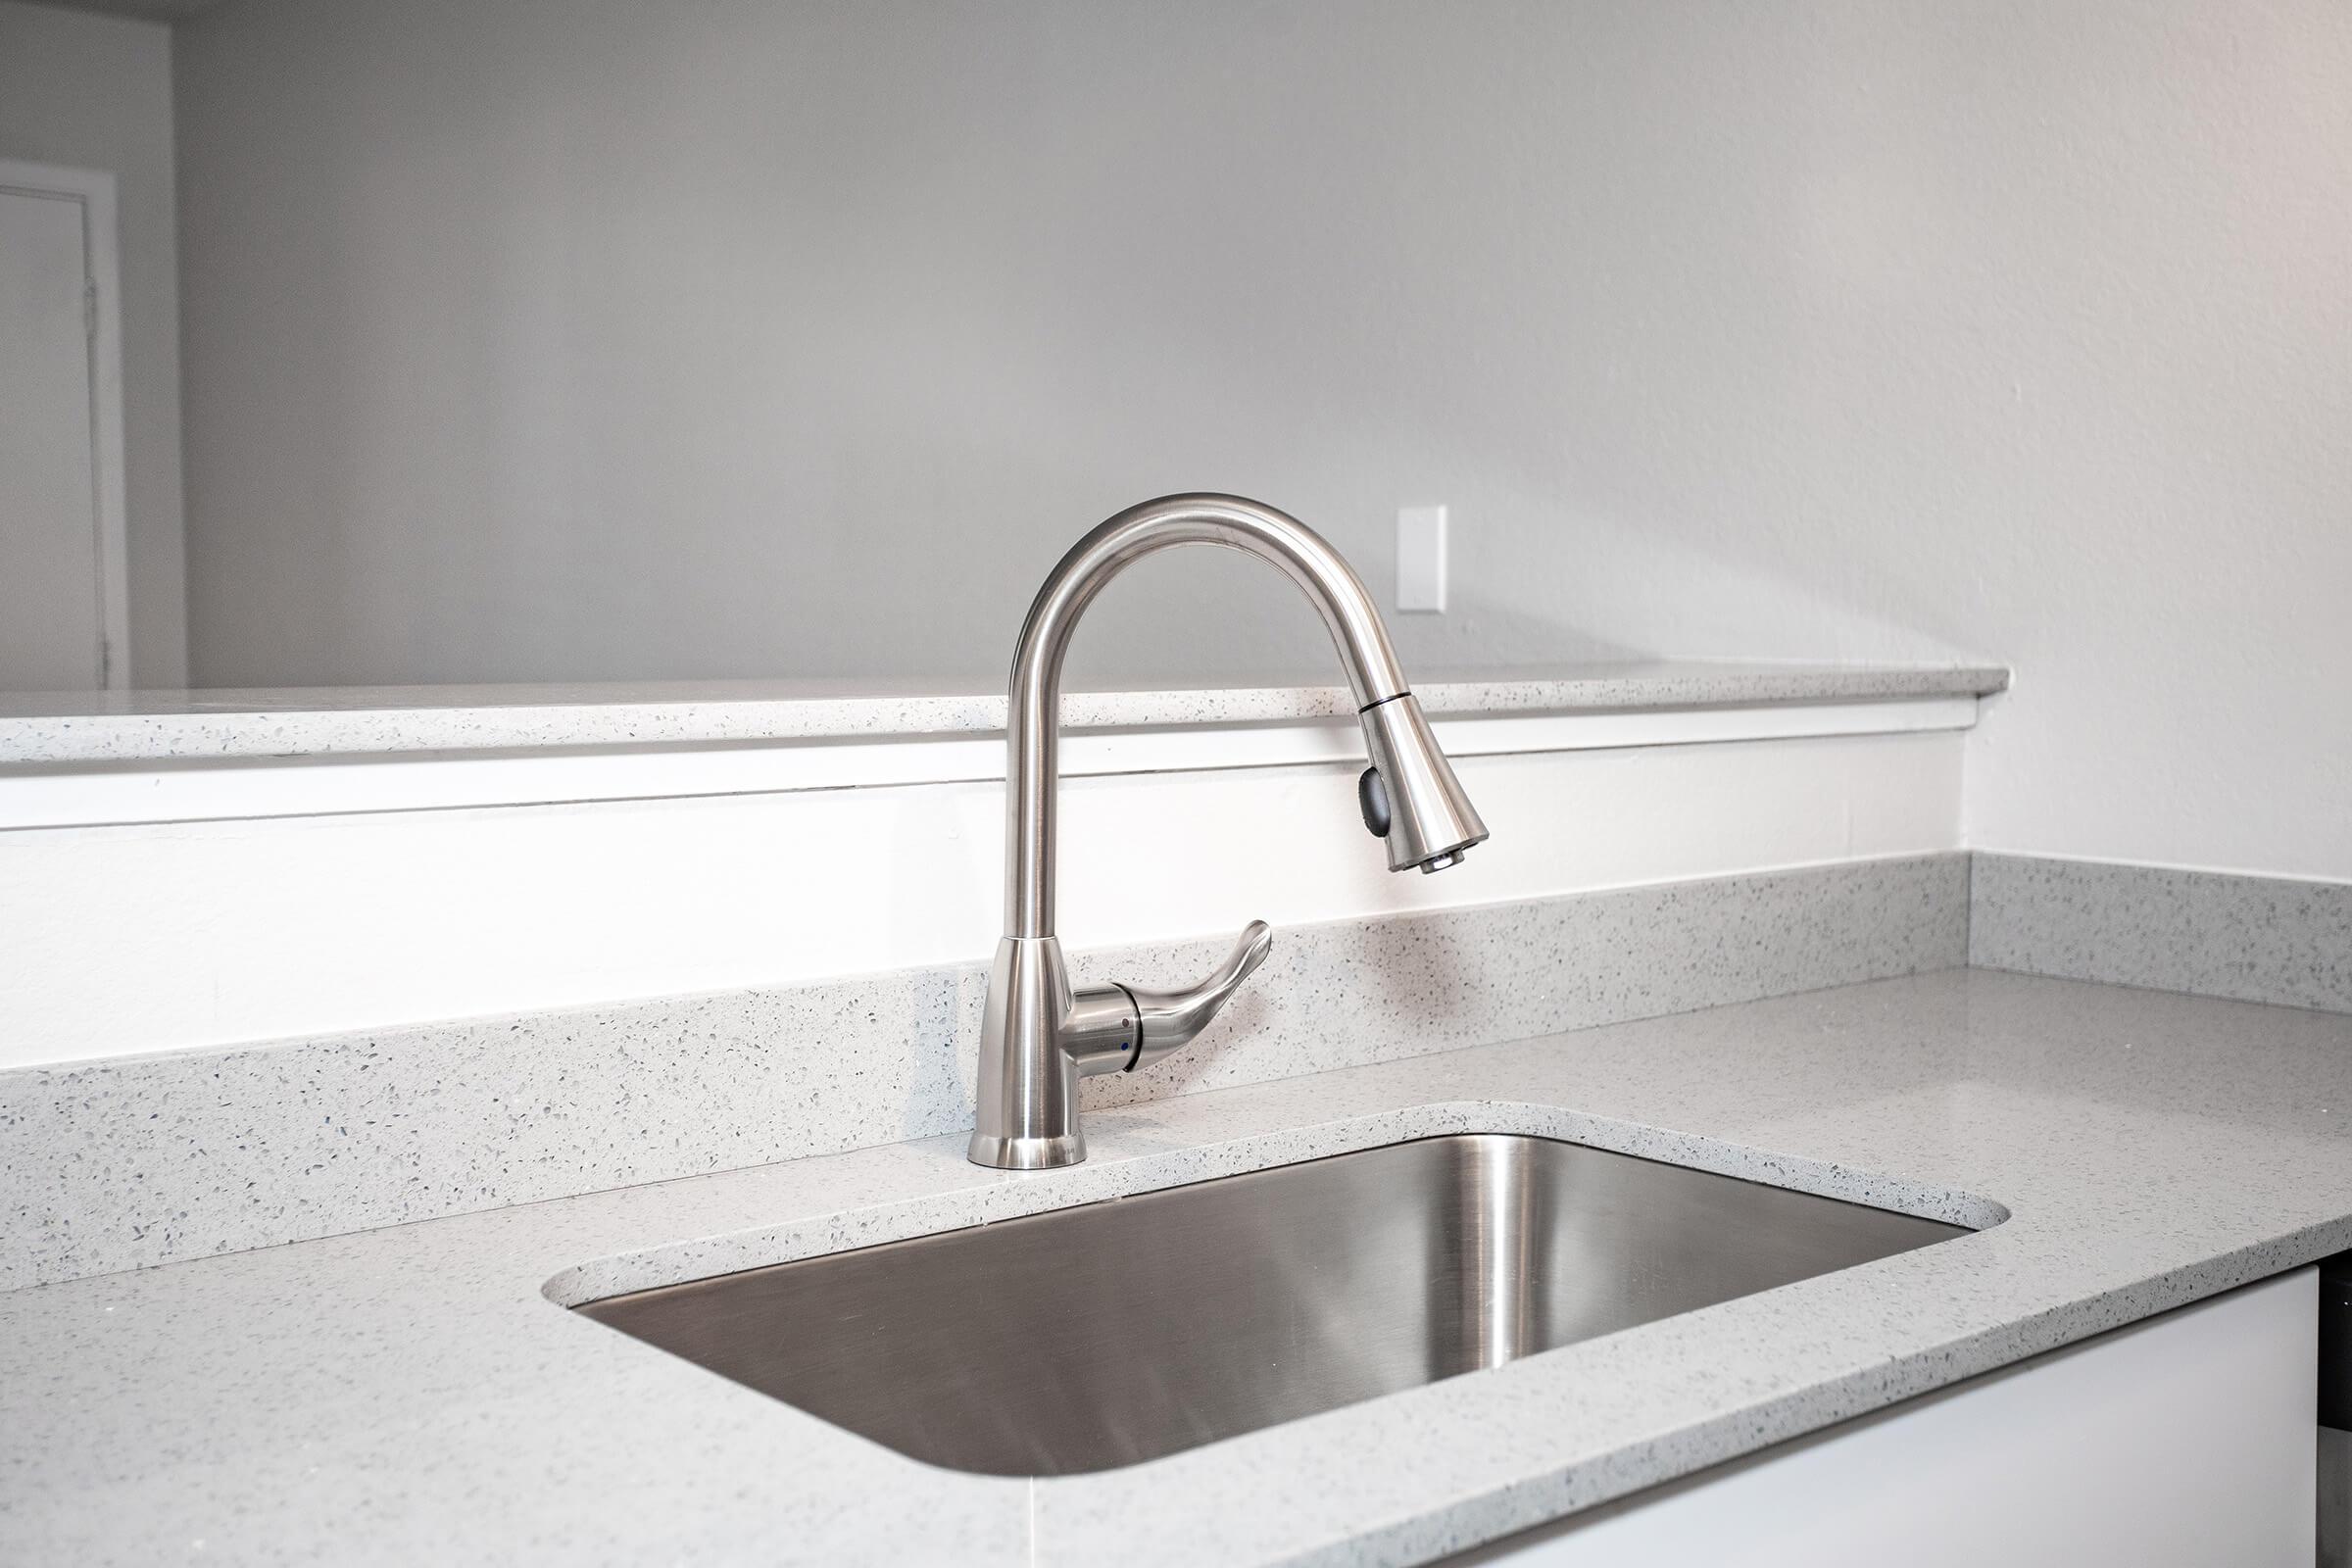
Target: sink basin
[[1090, 1337]]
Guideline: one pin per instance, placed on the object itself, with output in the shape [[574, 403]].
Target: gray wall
[[533, 339], [95, 92]]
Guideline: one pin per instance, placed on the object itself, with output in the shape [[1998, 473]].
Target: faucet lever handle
[[1170, 1019]]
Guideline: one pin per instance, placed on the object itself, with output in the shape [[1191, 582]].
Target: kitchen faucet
[[1037, 1037]]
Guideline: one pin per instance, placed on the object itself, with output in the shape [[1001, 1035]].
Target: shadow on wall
[[808, 339]]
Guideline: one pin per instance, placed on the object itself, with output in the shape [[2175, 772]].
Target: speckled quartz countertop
[[415, 1394], [72, 727]]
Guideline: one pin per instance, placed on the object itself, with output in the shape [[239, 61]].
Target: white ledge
[[77, 728], [217, 789]]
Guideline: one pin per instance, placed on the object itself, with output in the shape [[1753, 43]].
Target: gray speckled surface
[[70, 727], [140, 1160], [2251, 938], [411, 1393]]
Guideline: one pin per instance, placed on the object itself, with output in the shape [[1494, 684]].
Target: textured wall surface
[[2255, 939]]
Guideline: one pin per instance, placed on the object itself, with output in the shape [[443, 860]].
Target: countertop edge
[[226, 725]]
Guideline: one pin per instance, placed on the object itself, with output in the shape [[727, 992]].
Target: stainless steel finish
[[1038, 1036], [1091, 1338], [1432, 823], [1171, 1019]]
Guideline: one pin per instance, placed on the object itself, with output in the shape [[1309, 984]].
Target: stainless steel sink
[[1091, 1337]]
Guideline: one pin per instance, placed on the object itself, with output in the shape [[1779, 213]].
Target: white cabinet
[[2183, 1441]]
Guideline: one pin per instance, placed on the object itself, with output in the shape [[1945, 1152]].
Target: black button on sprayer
[[1372, 798]]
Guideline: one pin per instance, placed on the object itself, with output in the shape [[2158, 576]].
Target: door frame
[[94, 189]]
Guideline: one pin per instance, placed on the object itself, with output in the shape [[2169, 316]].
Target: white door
[[60, 496]]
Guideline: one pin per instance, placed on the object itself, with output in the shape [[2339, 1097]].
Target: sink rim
[[971, 1197]]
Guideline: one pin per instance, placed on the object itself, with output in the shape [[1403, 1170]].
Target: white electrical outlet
[[1421, 558]]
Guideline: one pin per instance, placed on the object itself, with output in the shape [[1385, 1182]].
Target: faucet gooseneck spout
[[1039, 1037]]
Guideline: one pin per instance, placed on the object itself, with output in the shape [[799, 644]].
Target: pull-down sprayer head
[[1409, 795]]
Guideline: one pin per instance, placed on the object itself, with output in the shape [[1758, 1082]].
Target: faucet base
[[1026, 1154], [1026, 1109]]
